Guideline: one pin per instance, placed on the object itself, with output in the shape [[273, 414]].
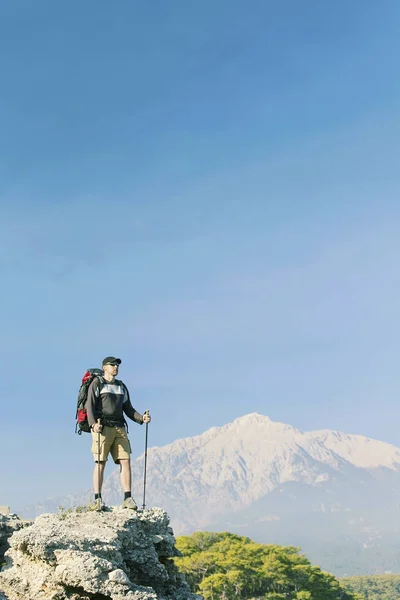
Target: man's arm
[[131, 412], [93, 413]]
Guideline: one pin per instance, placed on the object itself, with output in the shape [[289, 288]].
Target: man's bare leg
[[126, 475], [126, 480]]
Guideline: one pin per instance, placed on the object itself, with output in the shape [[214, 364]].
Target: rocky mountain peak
[[258, 421], [251, 429], [253, 418]]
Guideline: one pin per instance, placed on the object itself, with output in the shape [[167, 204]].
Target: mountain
[[336, 495]]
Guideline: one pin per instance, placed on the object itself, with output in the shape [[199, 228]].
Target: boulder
[[116, 554]]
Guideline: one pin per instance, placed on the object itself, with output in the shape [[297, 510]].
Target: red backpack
[[82, 424]]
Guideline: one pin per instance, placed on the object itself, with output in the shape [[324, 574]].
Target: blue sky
[[209, 190]]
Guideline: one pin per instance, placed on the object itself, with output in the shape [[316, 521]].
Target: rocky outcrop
[[8, 524], [117, 554]]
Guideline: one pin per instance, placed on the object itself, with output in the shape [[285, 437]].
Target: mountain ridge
[[325, 436]]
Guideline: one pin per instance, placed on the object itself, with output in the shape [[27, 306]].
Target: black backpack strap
[[127, 393], [101, 383]]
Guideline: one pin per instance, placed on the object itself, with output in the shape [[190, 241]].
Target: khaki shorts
[[114, 440]]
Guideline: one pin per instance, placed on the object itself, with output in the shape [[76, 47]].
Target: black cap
[[110, 360]]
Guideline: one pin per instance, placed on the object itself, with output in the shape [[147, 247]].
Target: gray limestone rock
[[112, 555], [8, 524]]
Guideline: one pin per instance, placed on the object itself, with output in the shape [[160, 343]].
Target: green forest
[[225, 566], [374, 587]]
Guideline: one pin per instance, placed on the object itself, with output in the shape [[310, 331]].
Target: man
[[107, 401]]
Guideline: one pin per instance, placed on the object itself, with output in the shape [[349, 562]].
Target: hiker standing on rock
[[107, 401]]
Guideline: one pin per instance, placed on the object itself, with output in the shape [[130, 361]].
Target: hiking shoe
[[97, 505], [129, 503]]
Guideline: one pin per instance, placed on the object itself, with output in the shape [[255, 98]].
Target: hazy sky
[[209, 190]]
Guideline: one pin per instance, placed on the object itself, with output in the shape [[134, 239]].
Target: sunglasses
[[112, 364]]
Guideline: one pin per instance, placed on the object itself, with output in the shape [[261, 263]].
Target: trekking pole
[[98, 467], [146, 412]]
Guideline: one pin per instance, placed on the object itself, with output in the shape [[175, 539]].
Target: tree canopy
[[226, 566]]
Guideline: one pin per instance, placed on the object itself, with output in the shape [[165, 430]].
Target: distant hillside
[[378, 587]]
